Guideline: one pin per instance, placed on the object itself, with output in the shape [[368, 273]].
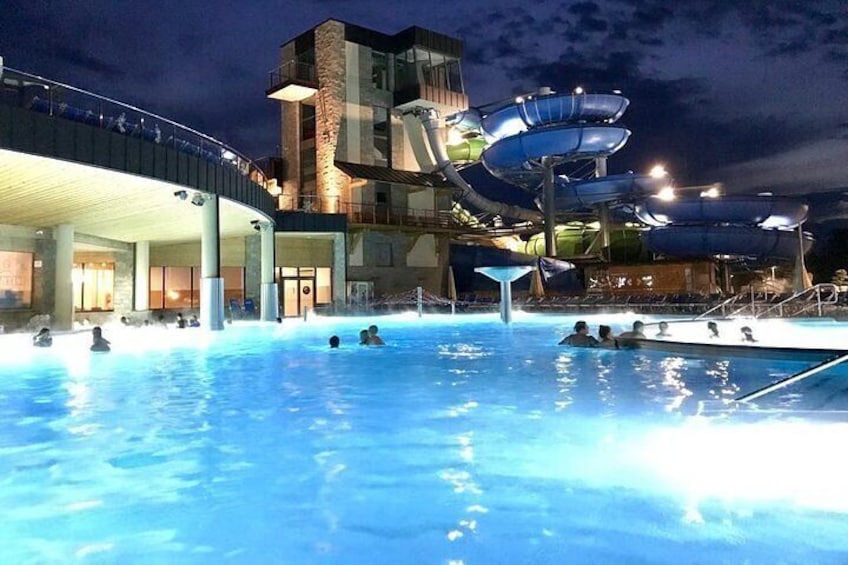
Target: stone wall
[[329, 107]]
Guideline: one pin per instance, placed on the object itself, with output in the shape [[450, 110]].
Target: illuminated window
[[178, 288], [94, 285], [15, 280]]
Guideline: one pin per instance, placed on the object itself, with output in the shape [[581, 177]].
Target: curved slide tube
[[432, 127], [585, 194], [762, 211], [696, 241]]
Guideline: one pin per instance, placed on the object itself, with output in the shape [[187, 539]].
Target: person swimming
[[334, 342], [363, 337], [580, 337], [42, 338], [99, 343], [638, 331]]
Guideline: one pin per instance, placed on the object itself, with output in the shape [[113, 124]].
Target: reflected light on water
[[775, 461]]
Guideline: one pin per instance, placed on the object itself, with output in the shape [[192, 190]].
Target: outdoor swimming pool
[[463, 441]]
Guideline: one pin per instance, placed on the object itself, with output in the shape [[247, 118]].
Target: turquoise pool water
[[463, 441]]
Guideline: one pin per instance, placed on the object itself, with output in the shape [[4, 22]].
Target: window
[[382, 146], [94, 284], [15, 280], [307, 122], [379, 70], [178, 288]]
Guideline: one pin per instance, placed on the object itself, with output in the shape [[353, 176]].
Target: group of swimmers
[[605, 340], [98, 343], [366, 337]]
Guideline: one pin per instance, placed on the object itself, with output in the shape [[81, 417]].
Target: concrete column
[[63, 312], [270, 305], [549, 206], [211, 283], [339, 271], [141, 277]]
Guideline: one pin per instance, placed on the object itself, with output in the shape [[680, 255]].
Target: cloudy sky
[[749, 93]]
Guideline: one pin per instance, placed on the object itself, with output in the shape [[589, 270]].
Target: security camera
[[181, 194], [198, 199]]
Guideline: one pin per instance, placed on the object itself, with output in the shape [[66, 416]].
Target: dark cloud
[[717, 88]]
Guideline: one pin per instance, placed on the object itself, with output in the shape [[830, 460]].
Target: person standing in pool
[[334, 342], [363, 337], [580, 337], [712, 327], [663, 330], [373, 338], [606, 339], [99, 343]]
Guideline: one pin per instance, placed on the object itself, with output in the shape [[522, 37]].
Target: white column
[[63, 308], [141, 277], [270, 304], [339, 271], [211, 283]]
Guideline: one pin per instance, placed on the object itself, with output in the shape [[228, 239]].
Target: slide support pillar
[[549, 208]]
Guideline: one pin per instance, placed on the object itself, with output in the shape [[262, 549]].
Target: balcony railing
[[292, 71], [70, 103], [373, 214], [377, 214]]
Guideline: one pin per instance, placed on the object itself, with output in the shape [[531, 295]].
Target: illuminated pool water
[[459, 442]]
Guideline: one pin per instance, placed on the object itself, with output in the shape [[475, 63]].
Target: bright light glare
[[658, 172], [711, 193], [666, 194], [454, 137], [795, 461], [578, 90]]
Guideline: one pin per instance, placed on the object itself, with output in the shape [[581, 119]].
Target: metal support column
[[549, 207]]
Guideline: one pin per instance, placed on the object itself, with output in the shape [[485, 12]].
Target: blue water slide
[[697, 241], [566, 142], [585, 194], [763, 211], [540, 111]]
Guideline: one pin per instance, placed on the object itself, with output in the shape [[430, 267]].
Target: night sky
[[749, 93]]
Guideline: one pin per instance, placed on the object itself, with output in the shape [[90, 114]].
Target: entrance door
[[298, 291]]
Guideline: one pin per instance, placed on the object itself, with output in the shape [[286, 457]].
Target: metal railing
[[292, 70], [377, 214], [723, 306], [816, 297], [747, 303], [68, 102]]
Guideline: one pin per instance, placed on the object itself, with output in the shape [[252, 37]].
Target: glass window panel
[[290, 298], [233, 283], [379, 70], [77, 277], [157, 296], [323, 282], [382, 148], [195, 287], [178, 287], [15, 280]]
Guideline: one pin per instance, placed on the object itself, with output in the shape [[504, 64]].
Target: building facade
[[352, 145]]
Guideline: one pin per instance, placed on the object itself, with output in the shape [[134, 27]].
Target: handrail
[[722, 305], [827, 364], [833, 298], [53, 106]]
